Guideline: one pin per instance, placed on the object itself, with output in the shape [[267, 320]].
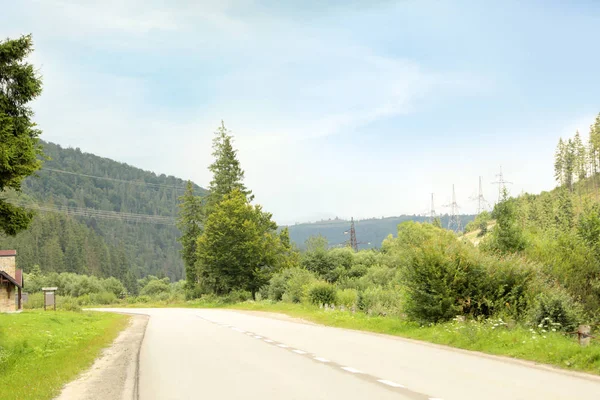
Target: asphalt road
[[222, 354]]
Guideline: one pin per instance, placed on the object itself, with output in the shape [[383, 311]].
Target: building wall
[[7, 297], [8, 264]]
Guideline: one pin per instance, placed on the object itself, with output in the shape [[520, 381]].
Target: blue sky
[[347, 109]]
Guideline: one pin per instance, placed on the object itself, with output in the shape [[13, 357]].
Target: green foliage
[[322, 293], [19, 143], [376, 300], [155, 287], [507, 235], [239, 247], [190, 223], [555, 310], [347, 297], [228, 175]]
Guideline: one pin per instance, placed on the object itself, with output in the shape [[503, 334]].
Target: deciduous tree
[[19, 147]]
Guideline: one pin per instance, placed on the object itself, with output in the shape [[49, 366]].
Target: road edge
[[505, 359]]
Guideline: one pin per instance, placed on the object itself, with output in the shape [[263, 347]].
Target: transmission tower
[[501, 184], [432, 211], [454, 221], [482, 203], [353, 242]]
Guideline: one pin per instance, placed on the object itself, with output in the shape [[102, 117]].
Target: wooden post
[[584, 334]]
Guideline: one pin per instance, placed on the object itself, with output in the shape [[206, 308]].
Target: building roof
[[6, 253], [10, 278]]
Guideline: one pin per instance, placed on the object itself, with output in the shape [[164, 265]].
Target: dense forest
[[117, 238], [369, 232]]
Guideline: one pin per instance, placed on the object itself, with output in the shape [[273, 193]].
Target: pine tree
[[569, 164], [19, 143], [227, 172], [559, 164], [190, 223], [580, 157]]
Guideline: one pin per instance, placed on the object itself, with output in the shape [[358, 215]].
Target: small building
[[11, 282]]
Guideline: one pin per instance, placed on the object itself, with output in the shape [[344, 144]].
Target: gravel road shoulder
[[114, 373]]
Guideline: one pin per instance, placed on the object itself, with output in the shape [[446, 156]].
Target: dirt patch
[[114, 374]]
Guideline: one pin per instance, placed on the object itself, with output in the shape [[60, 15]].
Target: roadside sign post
[[49, 297]]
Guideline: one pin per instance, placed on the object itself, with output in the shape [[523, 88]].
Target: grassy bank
[[41, 351], [491, 337]]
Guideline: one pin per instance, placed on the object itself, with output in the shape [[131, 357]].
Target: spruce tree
[[227, 172], [190, 223], [580, 157], [559, 163]]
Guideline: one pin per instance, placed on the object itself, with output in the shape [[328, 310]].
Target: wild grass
[[41, 351]]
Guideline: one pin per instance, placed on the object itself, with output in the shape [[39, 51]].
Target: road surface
[[224, 354]]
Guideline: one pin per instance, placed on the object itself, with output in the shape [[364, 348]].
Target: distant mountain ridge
[[369, 232]]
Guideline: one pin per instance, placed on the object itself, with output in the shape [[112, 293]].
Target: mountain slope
[[122, 195]]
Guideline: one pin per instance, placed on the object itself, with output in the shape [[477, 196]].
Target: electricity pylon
[[482, 203], [454, 221], [501, 184]]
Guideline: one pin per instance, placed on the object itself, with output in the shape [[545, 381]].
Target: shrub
[[297, 284], [555, 309], [143, 299], [346, 297], [34, 300], [237, 296], [68, 303], [376, 300], [113, 285], [321, 293], [277, 286], [103, 298], [154, 287]]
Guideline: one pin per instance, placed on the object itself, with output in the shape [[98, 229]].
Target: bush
[[379, 301], [347, 297], [277, 286], [155, 287], [555, 309], [103, 298], [68, 303], [34, 300], [321, 293], [143, 299], [297, 284], [113, 285], [237, 296]]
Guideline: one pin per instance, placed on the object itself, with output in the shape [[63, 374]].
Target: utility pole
[[501, 184], [454, 221], [482, 203]]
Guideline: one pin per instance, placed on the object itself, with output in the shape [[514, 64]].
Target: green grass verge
[[41, 351]]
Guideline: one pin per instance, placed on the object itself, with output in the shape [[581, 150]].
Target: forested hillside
[[369, 232], [133, 227]]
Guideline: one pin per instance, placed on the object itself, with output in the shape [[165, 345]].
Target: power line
[[93, 213], [140, 183]]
